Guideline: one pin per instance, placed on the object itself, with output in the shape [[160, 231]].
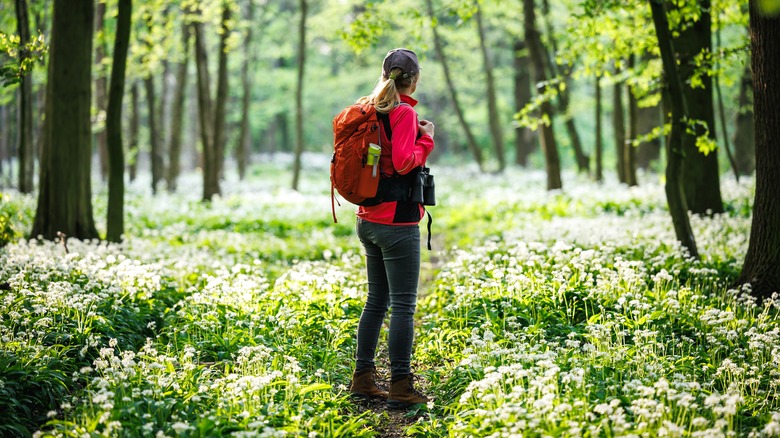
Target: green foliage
[[18, 66]]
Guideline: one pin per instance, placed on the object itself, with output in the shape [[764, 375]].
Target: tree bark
[[494, 119], [115, 224], [701, 175], [25, 148], [132, 146], [101, 84], [205, 116], [525, 138], [299, 95], [242, 151], [745, 134], [65, 195], [629, 154], [619, 128], [552, 161], [177, 113], [222, 92], [674, 191], [438, 44], [599, 133], [763, 254]]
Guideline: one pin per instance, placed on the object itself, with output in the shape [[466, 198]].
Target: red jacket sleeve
[[408, 150]]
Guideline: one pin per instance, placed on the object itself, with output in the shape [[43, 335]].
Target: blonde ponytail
[[385, 96]]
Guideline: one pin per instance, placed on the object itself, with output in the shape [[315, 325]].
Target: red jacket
[[406, 152]]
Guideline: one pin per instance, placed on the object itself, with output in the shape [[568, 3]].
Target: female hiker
[[390, 234]]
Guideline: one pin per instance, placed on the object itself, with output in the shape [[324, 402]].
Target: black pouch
[[423, 188], [429, 190]]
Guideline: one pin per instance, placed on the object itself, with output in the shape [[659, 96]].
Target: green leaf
[[314, 387]]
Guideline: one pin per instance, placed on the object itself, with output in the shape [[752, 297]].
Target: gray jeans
[[393, 265]]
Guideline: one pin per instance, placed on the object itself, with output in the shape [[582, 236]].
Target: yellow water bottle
[[374, 151], [369, 176]]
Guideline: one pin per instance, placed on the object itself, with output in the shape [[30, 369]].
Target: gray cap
[[404, 59]]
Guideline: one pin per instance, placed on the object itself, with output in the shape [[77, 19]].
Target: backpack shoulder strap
[[384, 118]]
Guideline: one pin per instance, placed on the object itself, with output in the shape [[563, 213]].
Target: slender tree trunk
[[283, 127], [674, 191], [745, 134], [65, 195], [763, 254], [599, 133], [552, 161], [629, 154], [721, 110], [525, 138], [619, 128], [134, 129], [25, 132], [177, 113], [471, 142], [116, 177], [494, 119], [222, 93], [101, 84], [5, 132], [299, 95], [582, 159], [205, 116], [242, 151], [154, 133], [701, 174]]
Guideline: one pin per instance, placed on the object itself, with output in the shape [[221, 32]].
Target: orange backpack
[[354, 129]]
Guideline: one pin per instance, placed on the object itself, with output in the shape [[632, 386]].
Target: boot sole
[[395, 404], [358, 396]]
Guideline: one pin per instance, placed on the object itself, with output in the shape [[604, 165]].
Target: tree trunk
[[619, 128], [745, 134], [525, 138], [25, 149], [552, 161], [674, 191], [471, 142], [701, 175], [629, 154], [299, 95], [494, 119], [210, 167], [242, 149], [156, 153], [582, 160], [222, 93], [115, 224], [763, 254], [134, 129], [599, 133], [65, 195], [100, 87], [177, 113]]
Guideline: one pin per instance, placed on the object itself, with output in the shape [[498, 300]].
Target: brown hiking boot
[[364, 384], [402, 393]]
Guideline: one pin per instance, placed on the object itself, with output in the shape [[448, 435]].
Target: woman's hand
[[426, 127]]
